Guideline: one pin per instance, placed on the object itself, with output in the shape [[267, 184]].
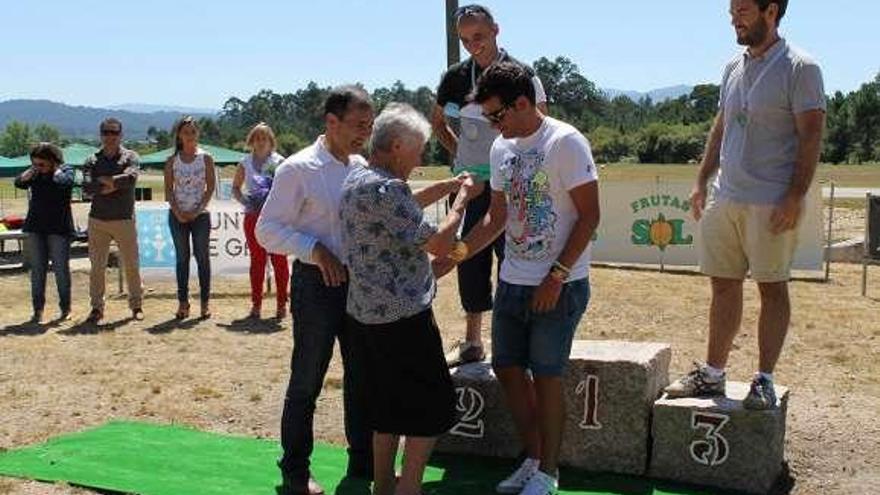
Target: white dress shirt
[[303, 205]]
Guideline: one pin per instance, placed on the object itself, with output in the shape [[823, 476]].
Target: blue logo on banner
[[155, 245]]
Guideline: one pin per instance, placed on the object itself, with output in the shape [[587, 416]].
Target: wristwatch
[[559, 275], [459, 252]]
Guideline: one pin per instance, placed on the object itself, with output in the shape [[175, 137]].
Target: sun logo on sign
[[661, 232]]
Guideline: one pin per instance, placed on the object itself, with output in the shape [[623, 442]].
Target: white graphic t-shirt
[[536, 174]]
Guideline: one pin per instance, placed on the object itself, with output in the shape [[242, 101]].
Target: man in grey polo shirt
[[766, 142]]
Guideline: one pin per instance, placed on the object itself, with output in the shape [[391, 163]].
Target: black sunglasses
[[110, 132], [498, 115]]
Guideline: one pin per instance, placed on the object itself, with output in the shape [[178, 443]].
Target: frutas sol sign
[[665, 222], [652, 223]]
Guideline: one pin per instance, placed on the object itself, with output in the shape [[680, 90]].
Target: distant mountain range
[[148, 108], [82, 122], [656, 95]]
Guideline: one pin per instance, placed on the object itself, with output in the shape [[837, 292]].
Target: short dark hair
[[110, 121], [782, 4], [506, 80], [342, 99], [47, 151], [473, 10]]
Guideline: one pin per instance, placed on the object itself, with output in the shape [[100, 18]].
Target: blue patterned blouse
[[383, 231]]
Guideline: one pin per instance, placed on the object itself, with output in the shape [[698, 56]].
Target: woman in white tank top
[[256, 173], [189, 184]]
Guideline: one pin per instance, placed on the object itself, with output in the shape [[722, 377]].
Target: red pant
[[258, 265]]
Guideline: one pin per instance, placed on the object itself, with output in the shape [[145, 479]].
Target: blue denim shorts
[[540, 342]]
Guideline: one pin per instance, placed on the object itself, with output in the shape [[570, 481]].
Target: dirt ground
[[227, 376]]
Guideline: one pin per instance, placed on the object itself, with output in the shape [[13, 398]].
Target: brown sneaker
[[137, 314], [463, 353]]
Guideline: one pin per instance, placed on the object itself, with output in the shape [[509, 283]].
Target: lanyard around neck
[[498, 57], [745, 96]]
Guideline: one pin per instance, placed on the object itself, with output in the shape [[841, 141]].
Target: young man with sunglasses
[[109, 176], [545, 197], [478, 33]]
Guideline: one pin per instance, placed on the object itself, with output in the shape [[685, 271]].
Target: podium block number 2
[[713, 449], [470, 403]]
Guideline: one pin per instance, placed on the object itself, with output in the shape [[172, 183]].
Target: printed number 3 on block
[[713, 449]]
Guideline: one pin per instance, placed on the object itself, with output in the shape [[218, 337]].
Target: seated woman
[[386, 241]]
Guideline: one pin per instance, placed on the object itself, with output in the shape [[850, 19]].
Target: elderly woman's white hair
[[399, 121]]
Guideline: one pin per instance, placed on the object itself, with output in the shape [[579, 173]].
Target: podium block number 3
[[470, 403], [713, 449]]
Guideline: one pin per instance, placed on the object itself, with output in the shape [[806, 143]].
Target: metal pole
[[657, 191], [453, 55], [828, 237], [866, 253]]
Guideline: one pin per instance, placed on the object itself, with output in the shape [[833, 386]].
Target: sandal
[[182, 311], [205, 311], [281, 312], [254, 314]]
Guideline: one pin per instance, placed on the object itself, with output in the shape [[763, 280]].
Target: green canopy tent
[[8, 167], [74, 154], [222, 156]]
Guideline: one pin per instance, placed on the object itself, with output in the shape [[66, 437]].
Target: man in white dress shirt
[[301, 218]]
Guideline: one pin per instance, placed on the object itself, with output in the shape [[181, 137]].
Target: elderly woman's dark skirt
[[410, 390]]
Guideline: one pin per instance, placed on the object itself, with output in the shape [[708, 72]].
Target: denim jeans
[[200, 232], [45, 247], [540, 342], [318, 320]]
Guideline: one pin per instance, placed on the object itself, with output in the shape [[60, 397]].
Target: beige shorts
[[735, 240]]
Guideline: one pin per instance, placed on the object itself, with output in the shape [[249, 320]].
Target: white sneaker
[[540, 483], [517, 481]]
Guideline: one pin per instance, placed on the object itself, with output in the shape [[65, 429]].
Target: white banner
[[652, 223], [228, 248], [642, 223]]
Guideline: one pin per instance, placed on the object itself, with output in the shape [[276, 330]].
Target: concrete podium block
[[485, 426], [717, 442], [610, 388]]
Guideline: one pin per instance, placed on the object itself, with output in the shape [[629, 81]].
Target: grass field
[[842, 175]]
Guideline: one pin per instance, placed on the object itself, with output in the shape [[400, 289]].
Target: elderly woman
[[386, 241], [49, 224]]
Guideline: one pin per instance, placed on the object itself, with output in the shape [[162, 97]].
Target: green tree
[[838, 138], [45, 133], [570, 95], [161, 137], [15, 139], [864, 121]]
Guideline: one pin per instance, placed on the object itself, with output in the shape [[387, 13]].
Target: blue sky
[[200, 52]]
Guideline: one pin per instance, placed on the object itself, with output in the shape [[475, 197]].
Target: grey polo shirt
[[760, 97]]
